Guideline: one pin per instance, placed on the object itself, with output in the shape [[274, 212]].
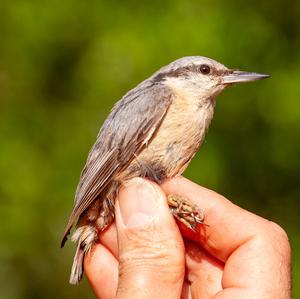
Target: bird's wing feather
[[130, 125]]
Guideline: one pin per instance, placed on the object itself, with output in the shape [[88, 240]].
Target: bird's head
[[198, 76]]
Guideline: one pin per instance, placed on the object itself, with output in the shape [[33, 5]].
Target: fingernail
[[139, 203]]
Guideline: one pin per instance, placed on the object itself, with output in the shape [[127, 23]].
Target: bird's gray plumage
[[119, 140]]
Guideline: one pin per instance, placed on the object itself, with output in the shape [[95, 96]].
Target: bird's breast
[[176, 141]]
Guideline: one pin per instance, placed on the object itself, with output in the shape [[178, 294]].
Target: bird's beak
[[240, 77]]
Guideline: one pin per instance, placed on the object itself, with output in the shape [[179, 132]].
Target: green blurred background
[[62, 66]]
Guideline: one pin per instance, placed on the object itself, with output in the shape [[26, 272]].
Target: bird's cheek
[[218, 89]]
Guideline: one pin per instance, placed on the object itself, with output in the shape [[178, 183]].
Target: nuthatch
[[153, 131]]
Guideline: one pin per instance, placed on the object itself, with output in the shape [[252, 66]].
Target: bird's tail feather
[[85, 236], [77, 267]]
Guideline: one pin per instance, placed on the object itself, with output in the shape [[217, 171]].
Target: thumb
[[151, 250]]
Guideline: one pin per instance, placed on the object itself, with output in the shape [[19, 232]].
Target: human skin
[[144, 255]]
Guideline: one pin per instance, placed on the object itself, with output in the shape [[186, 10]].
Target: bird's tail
[[77, 267], [85, 236]]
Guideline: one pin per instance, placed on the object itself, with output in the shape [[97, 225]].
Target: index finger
[[228, 226], [256, 251]]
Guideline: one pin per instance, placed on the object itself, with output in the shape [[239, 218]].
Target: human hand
[[143, 255]]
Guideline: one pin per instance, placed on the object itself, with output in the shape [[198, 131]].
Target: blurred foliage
[[62, 66]]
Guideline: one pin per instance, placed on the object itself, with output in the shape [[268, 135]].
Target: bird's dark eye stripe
[[184, 71]]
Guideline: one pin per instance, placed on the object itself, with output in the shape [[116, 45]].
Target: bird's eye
[[204, 69]]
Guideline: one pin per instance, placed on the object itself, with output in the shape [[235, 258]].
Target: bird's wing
[[130, 125]]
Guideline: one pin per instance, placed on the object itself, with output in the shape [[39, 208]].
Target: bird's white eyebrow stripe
[[181, 71]]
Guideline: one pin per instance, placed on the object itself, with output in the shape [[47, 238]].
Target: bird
[[153, 132]]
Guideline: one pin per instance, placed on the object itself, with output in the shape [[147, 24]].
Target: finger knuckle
[[279, 231], [163, 260], [280, 237]]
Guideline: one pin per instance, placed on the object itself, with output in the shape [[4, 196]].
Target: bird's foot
[[185, 211]]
